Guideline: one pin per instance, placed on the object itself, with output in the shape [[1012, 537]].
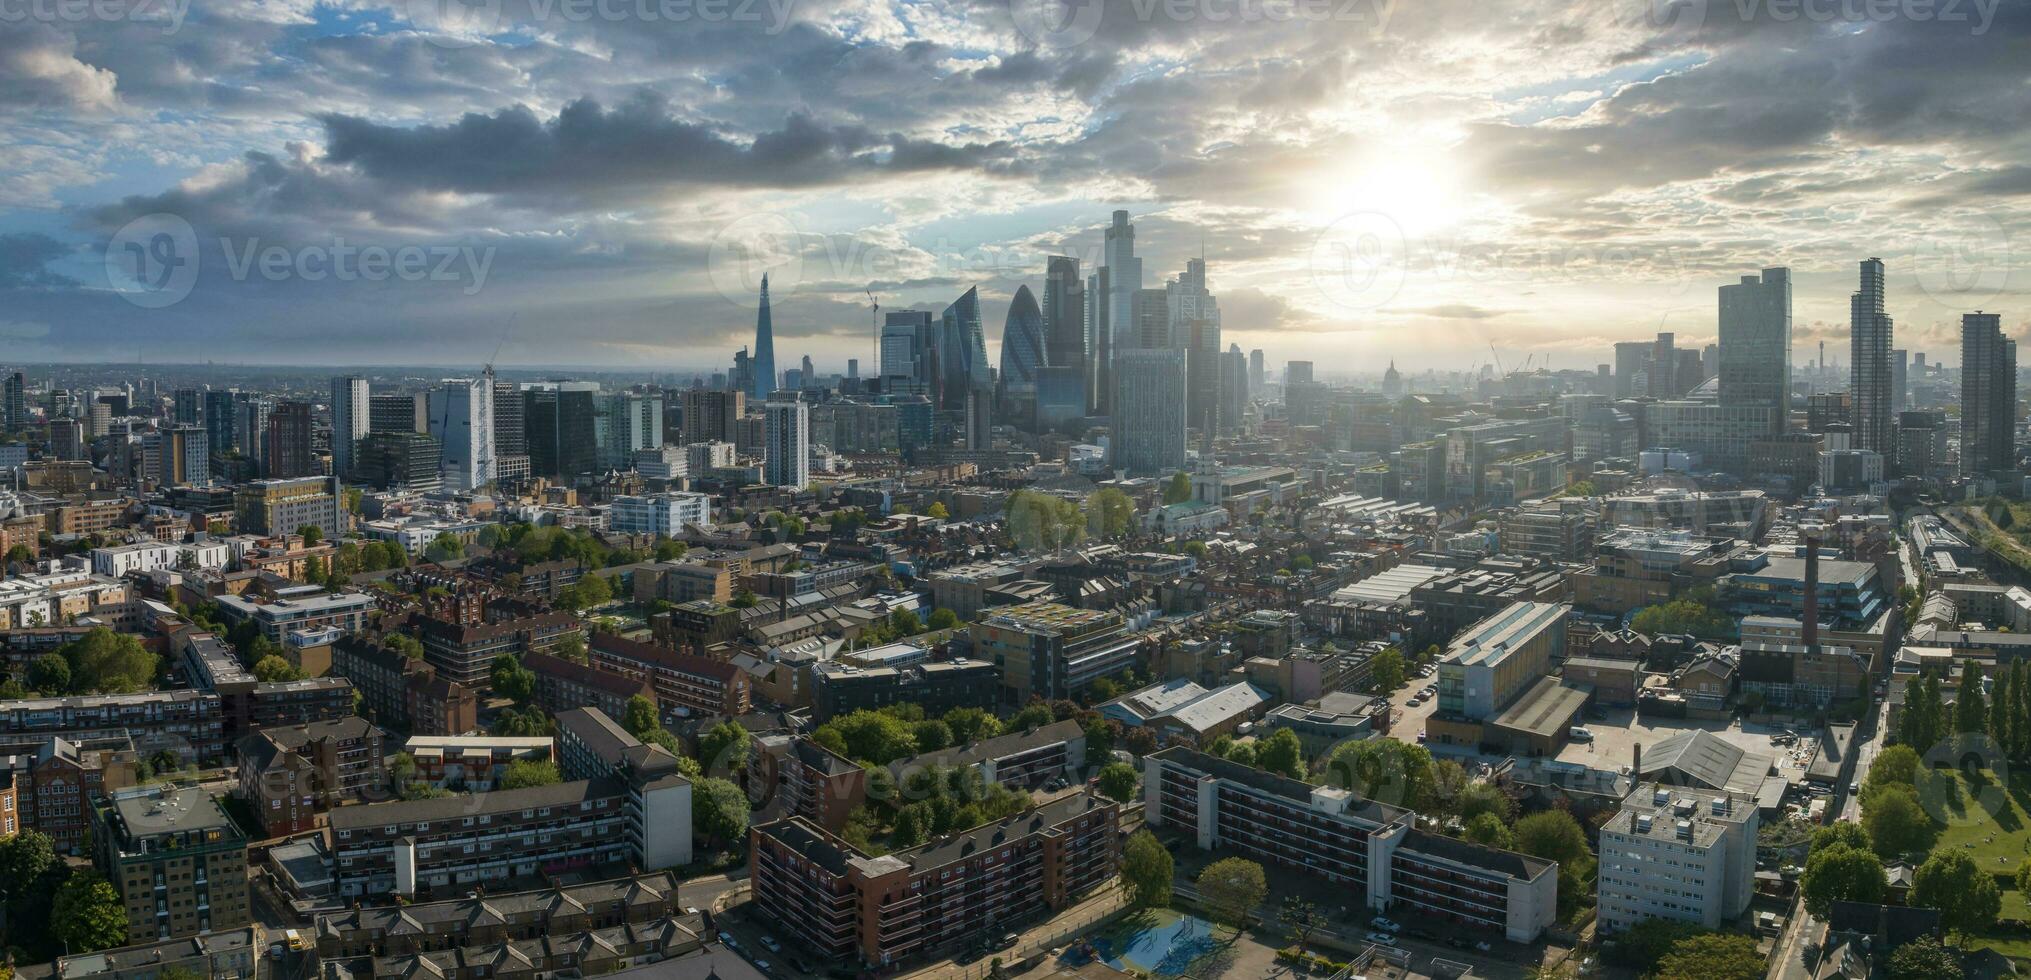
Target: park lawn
[[1994, 828], [2016, 947]]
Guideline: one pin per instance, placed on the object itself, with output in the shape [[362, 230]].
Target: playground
[[1161, 943]]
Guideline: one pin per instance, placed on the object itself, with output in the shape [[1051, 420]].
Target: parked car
[[1580, 734], [1381, 939], [1483, 946], [763, 965], [1383, 923], [1008, 941], [726, 939], [770, 943]]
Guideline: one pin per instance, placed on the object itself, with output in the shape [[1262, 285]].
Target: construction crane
[[1499, 372]]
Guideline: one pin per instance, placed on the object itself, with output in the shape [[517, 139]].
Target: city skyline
[[1546, 205]]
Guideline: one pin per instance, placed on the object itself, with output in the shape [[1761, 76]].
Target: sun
[[1417, 190]]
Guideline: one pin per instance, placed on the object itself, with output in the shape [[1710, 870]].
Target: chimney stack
[[1811, 594]]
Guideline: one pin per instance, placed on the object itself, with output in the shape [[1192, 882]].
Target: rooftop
[[1493, 638]]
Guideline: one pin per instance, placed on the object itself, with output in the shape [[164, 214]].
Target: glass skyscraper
[[1755, 342]]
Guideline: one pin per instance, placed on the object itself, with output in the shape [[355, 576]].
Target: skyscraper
[[1900, 378], [908, 338], [1297, 372], [1755, 342], [786, 444], [1257, 376], [288, 438], [1149, 414], [962, 350], [221, 419], [563, 426], [1870, 342], [1022, 358], [1064, 313], [461, 418], [1988, 395], [1123, 280], [187, 406], [709, 415], [14, 403], [762, 362], [1195, 329], [349, 417]]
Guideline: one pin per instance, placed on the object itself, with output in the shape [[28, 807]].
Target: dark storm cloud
[[24, 261]]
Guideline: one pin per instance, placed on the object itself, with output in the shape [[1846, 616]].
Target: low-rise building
[[473, 763], [839, 688], [1371, 849], [684, 684], [844, 905], [224, 954], [291, 774], [404, 693], [1052, 651], [562, 685]]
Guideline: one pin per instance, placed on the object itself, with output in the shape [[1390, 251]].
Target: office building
[[288, 451], [1678, 854], [1900, 379], [663, 514], [1067, 345], [626, 424], [398, 413], [220, 418], [1256, 374], [461, 419], [511, 426], [1486, 667], [1988, 395], [839, 688], [1022, 359], [1370, 849], [177, 860], [287, 506], [1871, 343], [350, 414], [398, 461], [1755, 343], [840, 903], [14, 403], [1297, 372], [562, 421], [1150, 407], [762, 363], [186, 404], [786, 449], [1053, 651], [962, 352]]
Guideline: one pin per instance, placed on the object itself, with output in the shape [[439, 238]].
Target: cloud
[[24, 261]]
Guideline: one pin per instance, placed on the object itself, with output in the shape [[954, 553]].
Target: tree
[[1686, 615], [1033, 715], [2000, 702], [943, 619], [1642, 945], [570, 646], [1231, 888], [937, 510], [1554, 836], [528, 722], [1712, 956], [1281, 753], [1109, 513], [1970, 711], [724, 747], [1300, 919], [1965, 895], [1386, 671], [50, 674], [1100, 740], [445, 547], [1488, 829], [28, 865], [1897, 825], [1041, 522], [1840, 873], [529, 773], [873, 736], [1924, 959], [1894, 766], [1384, 770], [640, 715], [1482, 799], [1118, 781], [274, 668], [1841, 832], [719, 810], [1920, 724], [86, 914], [931, 735], [105, 662], [407, 646], [513, 681], [1146, 870], [312, 535], [1178, 488], [968, 724]]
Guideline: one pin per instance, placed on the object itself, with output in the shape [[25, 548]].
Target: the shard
[[764, 359]]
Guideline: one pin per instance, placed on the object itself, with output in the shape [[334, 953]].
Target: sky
[[602, 183]]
